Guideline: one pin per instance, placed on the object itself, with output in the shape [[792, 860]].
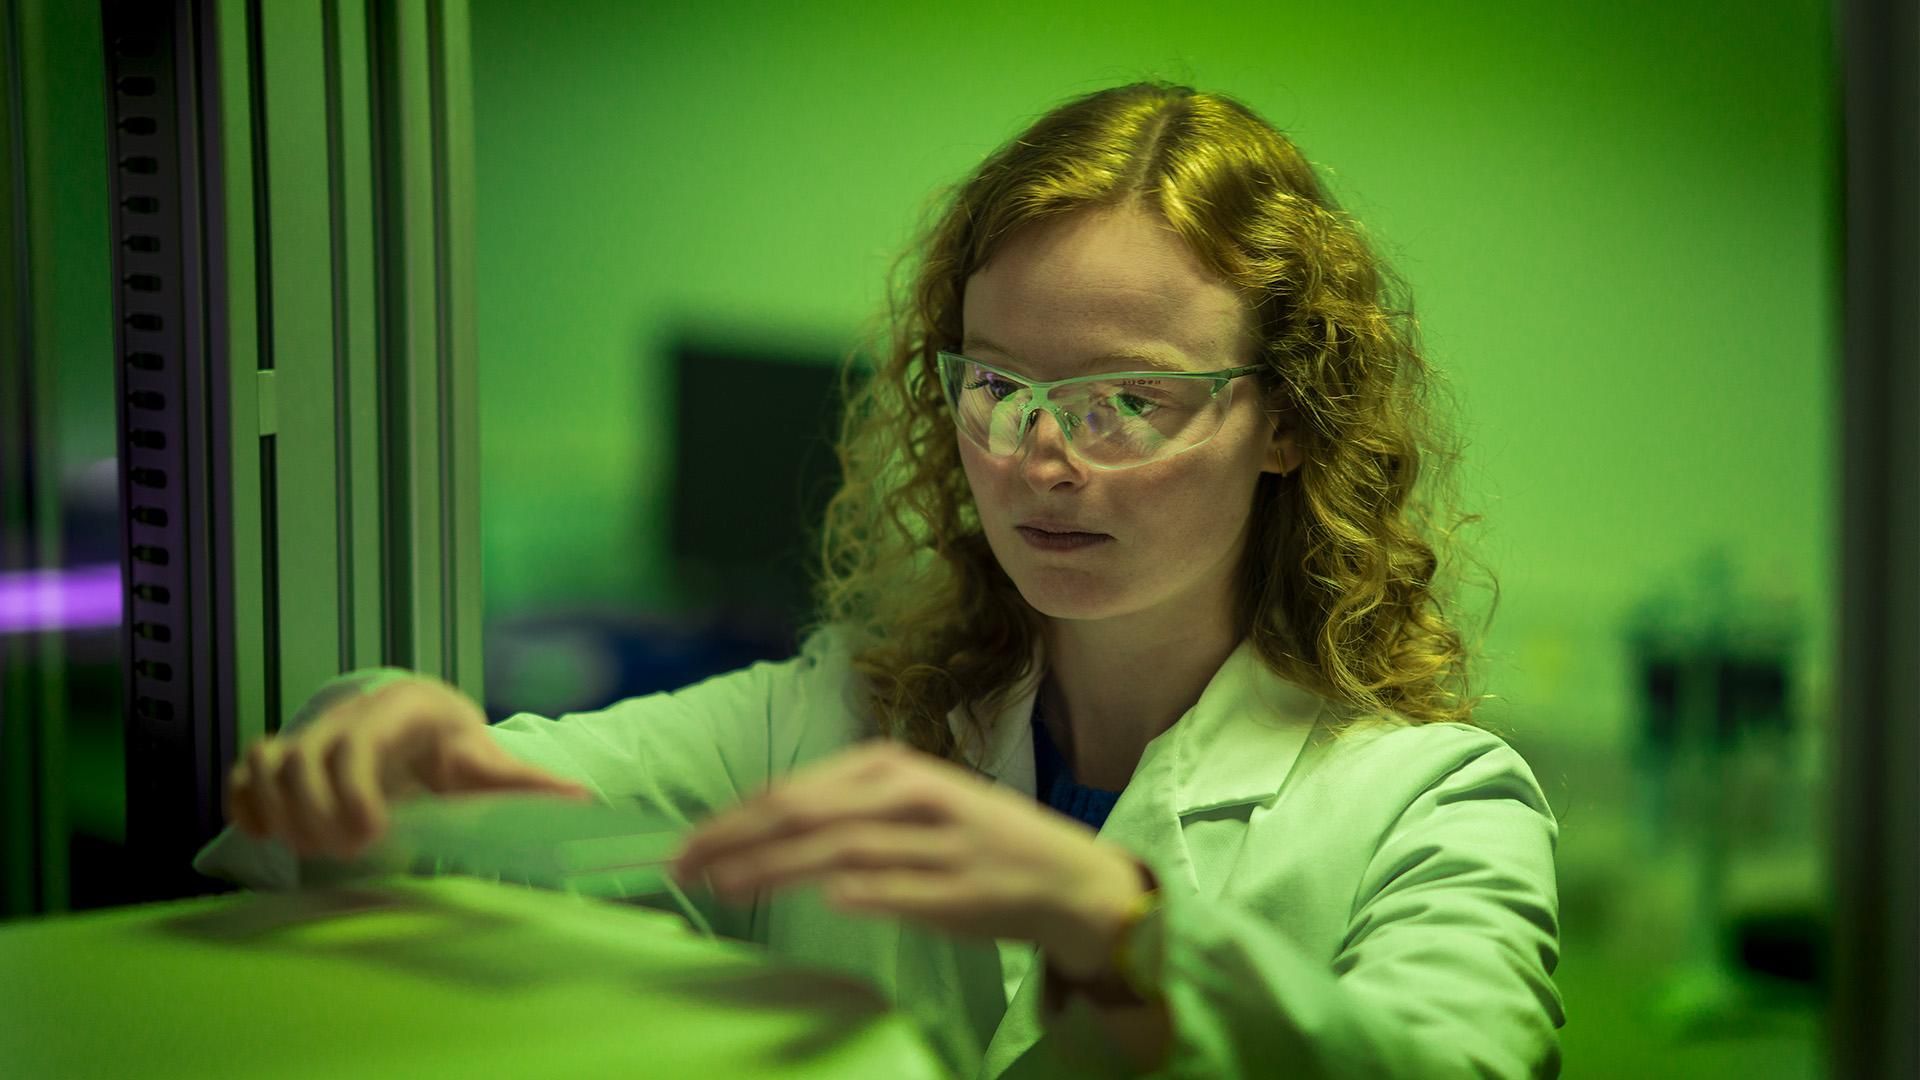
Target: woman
[[1128, 541]]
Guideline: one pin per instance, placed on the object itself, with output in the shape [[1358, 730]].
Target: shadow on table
[[427, 935]]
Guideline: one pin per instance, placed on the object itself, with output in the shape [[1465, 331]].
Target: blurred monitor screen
[[754, 468]]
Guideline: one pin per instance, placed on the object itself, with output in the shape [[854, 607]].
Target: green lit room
[[837, 539]]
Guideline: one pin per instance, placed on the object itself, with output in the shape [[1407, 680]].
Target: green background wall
[[1617, 220]]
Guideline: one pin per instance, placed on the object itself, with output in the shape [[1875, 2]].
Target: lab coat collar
[[1234, 746]]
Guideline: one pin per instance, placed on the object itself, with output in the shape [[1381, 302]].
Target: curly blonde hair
[[1338, 580]]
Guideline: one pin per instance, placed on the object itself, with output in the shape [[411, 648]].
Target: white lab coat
[[1377, 904]]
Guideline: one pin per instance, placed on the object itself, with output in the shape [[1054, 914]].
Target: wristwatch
[[1139, 949]]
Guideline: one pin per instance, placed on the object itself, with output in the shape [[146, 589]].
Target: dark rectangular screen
[[754, 468]]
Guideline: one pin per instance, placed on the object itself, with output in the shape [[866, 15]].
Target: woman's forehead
[[1134, 298], [1128, 259], [1089, 294], [1145, 355]]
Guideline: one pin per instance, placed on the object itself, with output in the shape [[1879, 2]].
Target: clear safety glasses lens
[[1112, 423]]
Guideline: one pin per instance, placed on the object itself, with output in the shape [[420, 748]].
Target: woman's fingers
[[240, 809], [864, 846], [328, 788], [308, 799], [262, 765], [363, 814], [908, 794], [278, 792]]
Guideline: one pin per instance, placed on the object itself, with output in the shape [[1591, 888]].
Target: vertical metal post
[[1876, 780], [32, 655]]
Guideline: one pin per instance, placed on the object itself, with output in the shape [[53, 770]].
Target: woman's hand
[[325, 789], [887, 829]]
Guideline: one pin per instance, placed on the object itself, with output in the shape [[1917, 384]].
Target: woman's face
[[1056, 301]]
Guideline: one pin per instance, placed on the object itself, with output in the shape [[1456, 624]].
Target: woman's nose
[[1045, 456]]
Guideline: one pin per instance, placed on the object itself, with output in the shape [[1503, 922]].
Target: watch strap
[[1128, 961]]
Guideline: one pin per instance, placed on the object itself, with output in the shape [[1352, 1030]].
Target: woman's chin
[[1055, 602]]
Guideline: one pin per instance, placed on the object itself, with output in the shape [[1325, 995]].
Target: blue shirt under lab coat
[[1372, 901]]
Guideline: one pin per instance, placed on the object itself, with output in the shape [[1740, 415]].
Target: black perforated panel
[[170, 467]]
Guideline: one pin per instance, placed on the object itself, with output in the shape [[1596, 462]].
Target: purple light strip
[[76, 599]]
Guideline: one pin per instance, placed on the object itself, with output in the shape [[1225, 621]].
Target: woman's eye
[[1133, 405], [994, 385]]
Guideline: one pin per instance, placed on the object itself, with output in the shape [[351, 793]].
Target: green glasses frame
[[950, 374]]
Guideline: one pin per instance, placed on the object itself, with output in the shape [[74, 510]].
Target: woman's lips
[[1047, 541]]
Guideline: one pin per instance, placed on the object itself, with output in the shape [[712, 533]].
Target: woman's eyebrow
[[1153, 361]]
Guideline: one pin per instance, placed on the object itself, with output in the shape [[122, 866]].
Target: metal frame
[[299, 448]]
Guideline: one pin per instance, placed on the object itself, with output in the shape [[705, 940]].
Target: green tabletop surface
[[426, 977]]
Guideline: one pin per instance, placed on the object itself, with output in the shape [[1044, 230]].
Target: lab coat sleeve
[[682, 754], [685, 754], [1445, 969]]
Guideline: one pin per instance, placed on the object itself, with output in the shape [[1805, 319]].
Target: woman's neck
[[1111, 689]]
